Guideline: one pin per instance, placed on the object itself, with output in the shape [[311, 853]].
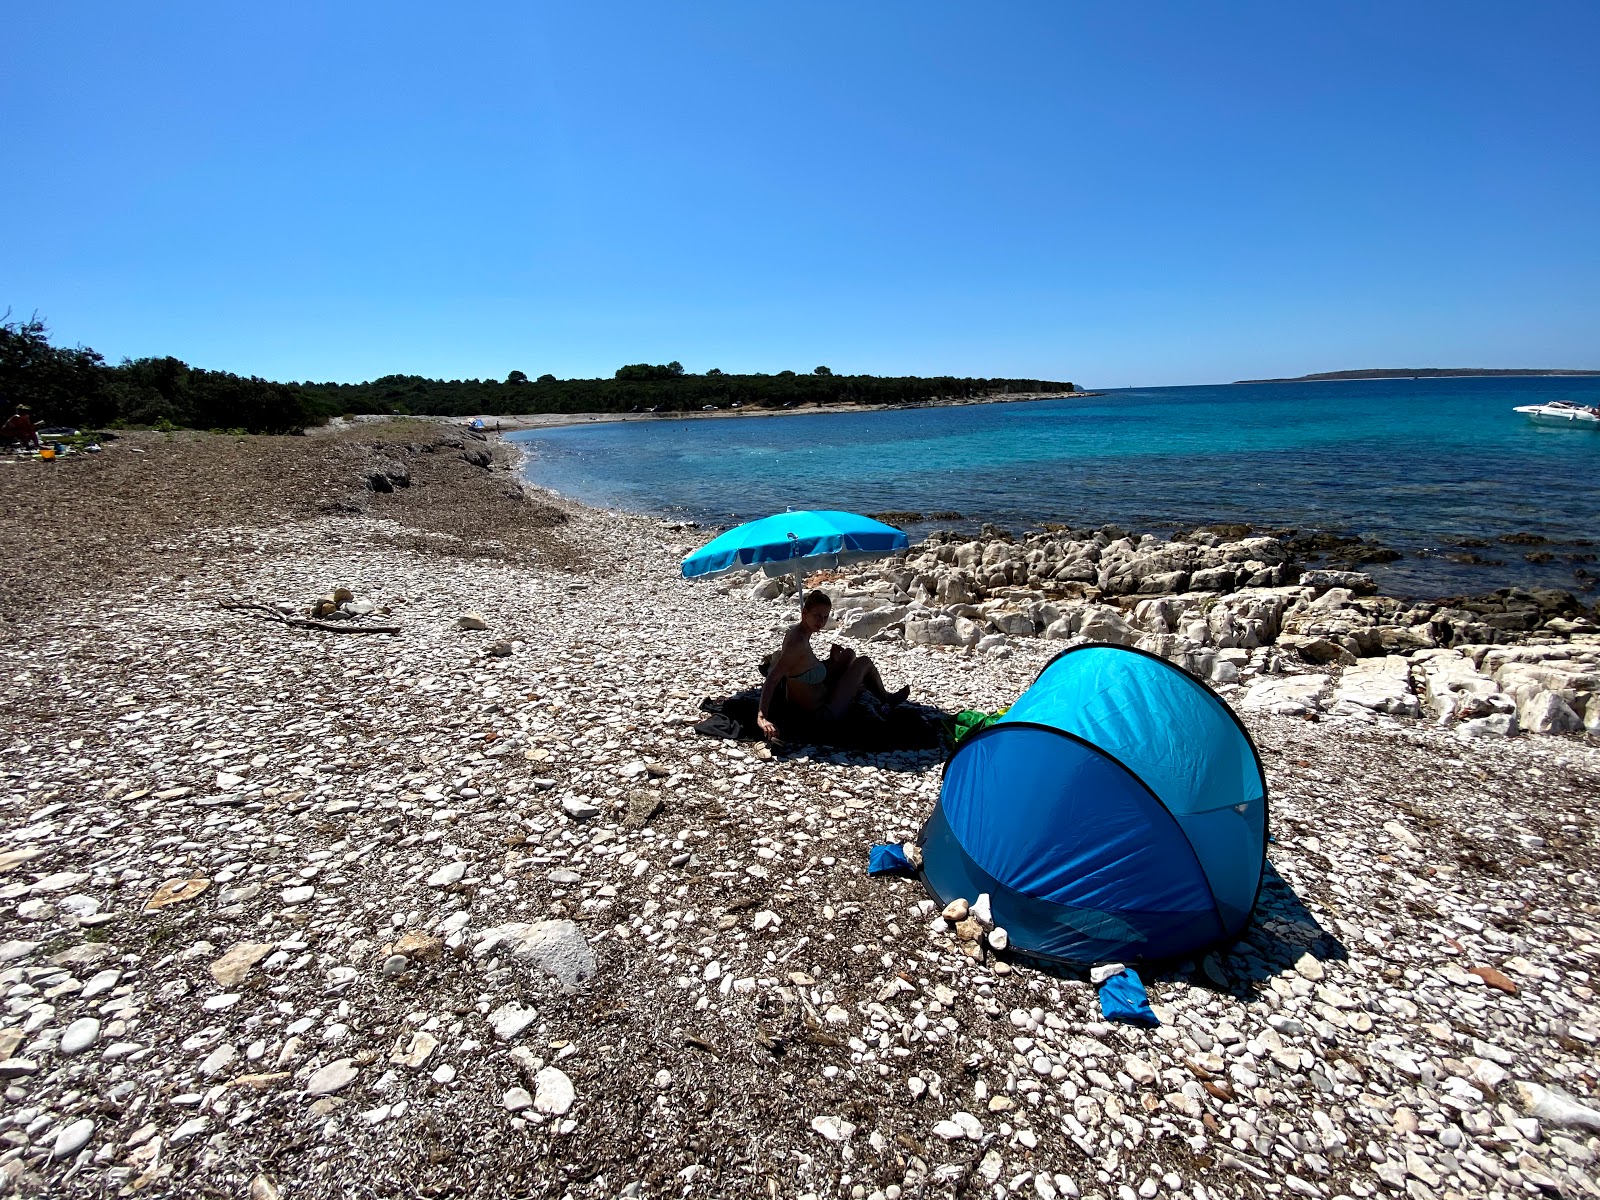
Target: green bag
[[969, 721]]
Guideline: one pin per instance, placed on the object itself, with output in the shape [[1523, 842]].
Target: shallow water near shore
[[1414, 464]]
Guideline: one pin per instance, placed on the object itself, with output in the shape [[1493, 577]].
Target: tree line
[[75, 386]]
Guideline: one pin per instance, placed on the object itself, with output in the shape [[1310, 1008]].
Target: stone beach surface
[[468, 909]]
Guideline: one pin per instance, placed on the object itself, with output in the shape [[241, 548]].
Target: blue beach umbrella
[[795, 543]]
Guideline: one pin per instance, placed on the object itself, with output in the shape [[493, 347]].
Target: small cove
[[1418, 465]]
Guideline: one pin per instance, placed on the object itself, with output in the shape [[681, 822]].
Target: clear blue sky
[[1117, 193]]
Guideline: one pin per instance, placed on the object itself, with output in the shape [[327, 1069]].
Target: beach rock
[[413, 1049], [557, 948], [1287, 695], [553, 1092], [833, 1128], [1164, 583], [1320, 650], [1499, 725], [1356, 581], [72, 1137], [865, 625], [1556, 1109], [471, 622], [233, 966], [509, 1020], [175, 891], [447, 875], [1012, 624], [335, 1077], [932, 631], [218, 1060], [1214, 579], [1547, 712], [1101, 624], [80, 1035], [1380, 684]]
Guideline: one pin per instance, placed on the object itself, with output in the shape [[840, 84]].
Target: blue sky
[[1151, 193]]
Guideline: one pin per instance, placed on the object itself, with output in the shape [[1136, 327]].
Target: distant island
[[1418, 373]]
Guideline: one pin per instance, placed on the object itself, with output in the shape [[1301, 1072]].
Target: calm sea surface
[[1416, 465]]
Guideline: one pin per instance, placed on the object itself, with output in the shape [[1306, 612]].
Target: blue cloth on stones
[[1123, 998], [887, 858]]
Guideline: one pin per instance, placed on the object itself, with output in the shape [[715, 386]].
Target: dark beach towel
[[861, 729]]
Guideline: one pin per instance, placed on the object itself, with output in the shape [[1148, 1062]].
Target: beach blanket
[[863, 728]]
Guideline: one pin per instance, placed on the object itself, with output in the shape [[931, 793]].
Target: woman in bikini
[[811, 685]]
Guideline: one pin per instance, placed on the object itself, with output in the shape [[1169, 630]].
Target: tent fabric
[[1117, 811], [795, 543]]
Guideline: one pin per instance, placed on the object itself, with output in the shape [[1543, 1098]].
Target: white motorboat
[[1559, 412]]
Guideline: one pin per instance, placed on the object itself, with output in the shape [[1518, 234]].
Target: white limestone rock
[[1380, 684], [1547, 712], [1288, 695], [557, 948], [553, 1092]]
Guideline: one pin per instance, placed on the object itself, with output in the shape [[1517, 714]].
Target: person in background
[[21, 429], [811, 685]]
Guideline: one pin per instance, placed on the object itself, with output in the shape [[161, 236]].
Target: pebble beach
[[468, 908]]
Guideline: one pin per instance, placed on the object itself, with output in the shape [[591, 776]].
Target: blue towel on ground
[[887, 858], [1122, 998]]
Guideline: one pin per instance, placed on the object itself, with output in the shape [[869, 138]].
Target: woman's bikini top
[[812, 676]]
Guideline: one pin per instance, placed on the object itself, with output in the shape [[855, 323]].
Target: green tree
[[63, 386], [714, 373], [643, 372], [517, 377], [822, 371]]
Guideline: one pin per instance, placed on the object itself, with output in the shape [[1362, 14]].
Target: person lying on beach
[[812, 686]]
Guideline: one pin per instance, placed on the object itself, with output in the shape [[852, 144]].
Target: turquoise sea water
[[1416, 465]]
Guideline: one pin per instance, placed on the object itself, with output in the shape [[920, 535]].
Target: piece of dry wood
[[267, 613]]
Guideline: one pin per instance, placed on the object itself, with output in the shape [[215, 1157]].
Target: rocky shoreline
[[464, 910]]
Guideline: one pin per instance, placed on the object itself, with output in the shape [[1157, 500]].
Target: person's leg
[[861, 673], [873, 682], [842, 695]]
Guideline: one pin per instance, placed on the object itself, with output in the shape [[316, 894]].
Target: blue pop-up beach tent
[[1116, 812]]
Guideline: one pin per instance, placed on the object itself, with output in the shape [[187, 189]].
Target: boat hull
[[1574, 417]]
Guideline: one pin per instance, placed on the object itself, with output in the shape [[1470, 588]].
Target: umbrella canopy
[[795, 543]]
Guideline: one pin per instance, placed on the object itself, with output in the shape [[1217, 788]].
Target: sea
[[1441, 470]]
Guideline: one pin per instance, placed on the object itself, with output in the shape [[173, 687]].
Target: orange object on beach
[[47, 454]]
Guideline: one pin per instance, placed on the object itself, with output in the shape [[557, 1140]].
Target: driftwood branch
[[266, 612]]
